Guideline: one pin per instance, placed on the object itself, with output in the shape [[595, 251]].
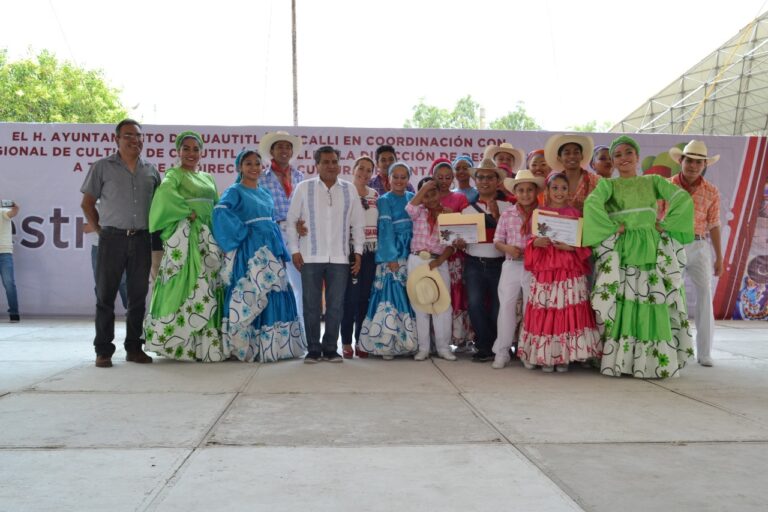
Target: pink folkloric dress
[[461, 330], [559, 324]]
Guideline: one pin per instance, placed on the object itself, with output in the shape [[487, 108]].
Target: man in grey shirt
[[124, 184]]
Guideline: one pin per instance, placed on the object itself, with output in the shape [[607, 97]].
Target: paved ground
[[374, 435]]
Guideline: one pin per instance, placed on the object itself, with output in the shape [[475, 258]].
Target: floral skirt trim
[[262, 322], [192, 332], [641, 314], [389, 328], [553, 349], [461, 328]]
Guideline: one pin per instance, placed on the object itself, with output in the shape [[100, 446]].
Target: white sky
[[366, 63]]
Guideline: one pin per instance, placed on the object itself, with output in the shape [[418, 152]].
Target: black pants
[[481, 280], [120, 252], [356, 298]]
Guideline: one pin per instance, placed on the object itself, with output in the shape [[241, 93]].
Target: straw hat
[[696, 150], [505, 147], [269, 140], [427, 291], [523, 176], [488, 165], [555, 142]]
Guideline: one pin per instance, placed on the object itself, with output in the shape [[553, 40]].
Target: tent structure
[[724, 94]]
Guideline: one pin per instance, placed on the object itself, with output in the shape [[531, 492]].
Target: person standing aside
[[385, 157], [706, 226], [570, 154], [124, 184], [482, 266], [6, 258], [280, 179], [331, 211]]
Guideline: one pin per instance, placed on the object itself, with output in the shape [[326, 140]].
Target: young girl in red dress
[[559, 324]]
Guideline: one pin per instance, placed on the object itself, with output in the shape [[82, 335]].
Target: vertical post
[[295, 79]]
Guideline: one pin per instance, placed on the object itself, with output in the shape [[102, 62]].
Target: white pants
[[442, 322], [700, 270], [294, 277], [514, 280]]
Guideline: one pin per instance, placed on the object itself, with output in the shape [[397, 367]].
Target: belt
[[431, 255], [700, 237], [126, 232], [487, 260]]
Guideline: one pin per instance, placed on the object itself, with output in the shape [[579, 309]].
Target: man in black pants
[[124, 184]]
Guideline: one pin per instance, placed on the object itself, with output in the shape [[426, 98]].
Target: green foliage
[[518, 120], [591, 126], [41, 89], [466, 116]]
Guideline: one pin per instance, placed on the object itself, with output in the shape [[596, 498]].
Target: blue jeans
[[120, 254], [481, 280], [122, 289], [356, 298], [312, 277], [9, 283]]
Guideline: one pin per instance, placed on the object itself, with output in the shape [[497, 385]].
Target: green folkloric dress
[[639, 295], [184, 320]]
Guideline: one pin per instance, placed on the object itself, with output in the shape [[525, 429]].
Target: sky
[[363, 63]]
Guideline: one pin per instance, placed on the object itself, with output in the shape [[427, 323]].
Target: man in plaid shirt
[[706, 200], [279, 179]]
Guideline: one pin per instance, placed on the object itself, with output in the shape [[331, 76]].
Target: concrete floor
[[374, 435]]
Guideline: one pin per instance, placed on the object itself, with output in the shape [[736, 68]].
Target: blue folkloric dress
[[184, 315], [260, 321], [389, 328], [638, 296]]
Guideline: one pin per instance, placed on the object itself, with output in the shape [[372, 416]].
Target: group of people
[[250, 275]]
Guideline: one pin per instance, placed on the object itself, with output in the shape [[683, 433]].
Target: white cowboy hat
[[505, 147], [555, 142], [488, 165], [269, 140], [427, 291], [694, 149], [523, 176]]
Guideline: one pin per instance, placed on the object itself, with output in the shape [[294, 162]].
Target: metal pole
[[295, 78]]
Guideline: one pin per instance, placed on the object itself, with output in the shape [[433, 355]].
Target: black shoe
[[312, 358], [15, 318], [332, 357], [482, 357]]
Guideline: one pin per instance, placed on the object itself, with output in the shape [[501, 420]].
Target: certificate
[[560, 228], [469, 227]]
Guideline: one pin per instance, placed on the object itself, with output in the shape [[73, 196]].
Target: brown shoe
[[137, 356], [103, 361]]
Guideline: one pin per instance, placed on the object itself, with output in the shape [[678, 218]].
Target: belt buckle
[[130, 232]]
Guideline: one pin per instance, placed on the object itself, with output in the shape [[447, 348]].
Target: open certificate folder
[[469, 227], [560, 228]]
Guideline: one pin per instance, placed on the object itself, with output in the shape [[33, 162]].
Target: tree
[[466, 116], [41, 89], [591, 126], [518, 120]]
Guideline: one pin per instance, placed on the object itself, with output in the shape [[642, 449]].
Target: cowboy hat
[[492, 150], [695, 149], [488, 165], [523, 176], [427, 291], [555, 142], [269, 140]]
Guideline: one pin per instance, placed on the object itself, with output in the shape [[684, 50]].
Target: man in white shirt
[[328, 208]]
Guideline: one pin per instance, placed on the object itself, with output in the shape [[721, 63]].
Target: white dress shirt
[[330, 215]]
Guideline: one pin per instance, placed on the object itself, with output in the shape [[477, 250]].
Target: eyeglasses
[[485, 177], [133, 136], [364, 202]]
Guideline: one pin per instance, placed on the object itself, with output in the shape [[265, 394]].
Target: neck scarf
[[691, 189], [526, 213], [284, 175]]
